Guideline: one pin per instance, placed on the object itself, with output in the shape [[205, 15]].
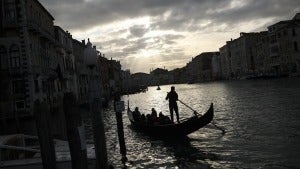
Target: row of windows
[[14, 57], [276, 49]]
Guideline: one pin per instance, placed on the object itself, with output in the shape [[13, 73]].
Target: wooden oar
[[196, 113]]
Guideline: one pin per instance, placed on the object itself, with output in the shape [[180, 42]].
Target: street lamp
[[95, 102]]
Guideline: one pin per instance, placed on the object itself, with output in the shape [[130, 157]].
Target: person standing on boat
[[172, 96]]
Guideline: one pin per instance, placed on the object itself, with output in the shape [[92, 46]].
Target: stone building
[[261, 59], [81, 71], [27, 43], [160, 77], [37, 63], [65, 60], [284, 46], [200, 68], [237, 56], [225, 61], [105, 78], [115, 80], [216, 66]]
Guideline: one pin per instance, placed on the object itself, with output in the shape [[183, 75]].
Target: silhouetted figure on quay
[[172, 96]]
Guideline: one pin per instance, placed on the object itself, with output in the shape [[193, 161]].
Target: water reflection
[[186, 155]]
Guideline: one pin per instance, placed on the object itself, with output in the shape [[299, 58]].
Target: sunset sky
[[144, 34]]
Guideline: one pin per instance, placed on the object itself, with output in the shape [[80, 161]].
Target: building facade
[[81, 71], [284, 46], [225, 61], [261, 59], [200, 68], [27, 45], [216, 66]]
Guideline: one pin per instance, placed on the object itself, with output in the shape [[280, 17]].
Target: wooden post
[[42, 116], [99, 134], [120, 128], [75, 132]]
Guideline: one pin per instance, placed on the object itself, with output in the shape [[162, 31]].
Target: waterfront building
[[37, 63], [65, 60], [284, 46], [200, 68], [161, 76], [126, 81], [27, 46], [193, 70], [115, 81], [81, 71], [240, 53], [261, 59], [216, 66], [93, 71], [225, 61], [179, 75], [105, 78], [140, 80]]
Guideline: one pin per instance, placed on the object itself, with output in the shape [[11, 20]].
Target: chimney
[[94, 47], [83, 42]]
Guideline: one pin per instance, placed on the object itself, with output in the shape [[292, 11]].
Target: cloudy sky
[[144, 34]]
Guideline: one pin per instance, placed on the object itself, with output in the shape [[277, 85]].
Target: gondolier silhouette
[[172, 96]]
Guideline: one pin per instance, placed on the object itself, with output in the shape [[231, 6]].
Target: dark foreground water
[[261, 119]]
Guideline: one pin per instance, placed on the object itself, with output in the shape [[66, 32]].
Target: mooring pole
[[75, 132], [99, 135], [119, 107], [42, 116], [98, 122]]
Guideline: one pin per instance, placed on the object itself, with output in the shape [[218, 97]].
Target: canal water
[[261, 119]]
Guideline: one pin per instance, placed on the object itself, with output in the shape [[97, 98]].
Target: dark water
[[261, 119]]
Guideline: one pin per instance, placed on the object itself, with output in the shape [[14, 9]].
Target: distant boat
[[173, 129], [158, 88]]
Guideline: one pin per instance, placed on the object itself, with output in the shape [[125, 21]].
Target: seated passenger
[[143, 117], [154, 118], [164, 119], [153, 112], [148, 118], [136, 114]]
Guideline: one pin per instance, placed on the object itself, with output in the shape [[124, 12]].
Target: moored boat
[[183, 128]]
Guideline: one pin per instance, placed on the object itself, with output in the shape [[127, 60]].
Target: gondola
[[183, 128]]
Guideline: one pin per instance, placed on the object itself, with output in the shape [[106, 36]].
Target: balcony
[[36, 28]]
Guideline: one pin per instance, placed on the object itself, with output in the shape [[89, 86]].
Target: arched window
[[14, 56], [3, 58]]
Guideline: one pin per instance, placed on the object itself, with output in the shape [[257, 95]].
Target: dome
[[90, 54]]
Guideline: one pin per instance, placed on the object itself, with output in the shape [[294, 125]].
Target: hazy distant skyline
[[144, 34]]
